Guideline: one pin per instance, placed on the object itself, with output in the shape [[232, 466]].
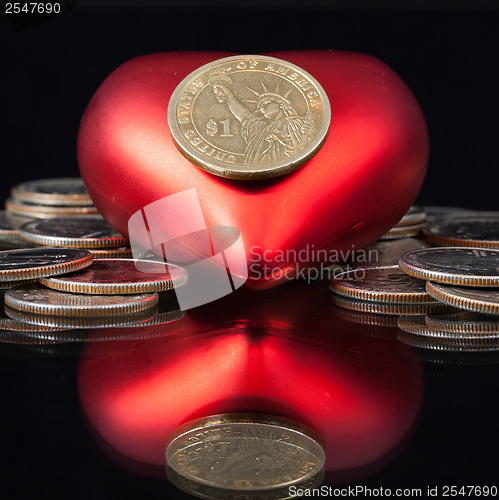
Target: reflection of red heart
[[283, 351], [359, 184]]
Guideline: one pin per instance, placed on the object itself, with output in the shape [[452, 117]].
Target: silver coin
[[120, 276], [477, 231], [481, 300], [62, 191], [245, 452], [387, 253], [418, 325], [415, 215], [25, 209], [80, 232], [28, 264], [459, 266], [40, 300], [464, 322], [381, 284]]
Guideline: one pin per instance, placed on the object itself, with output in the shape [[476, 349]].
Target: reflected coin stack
[[447, 297]]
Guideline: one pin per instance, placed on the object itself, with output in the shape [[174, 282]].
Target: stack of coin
[[382, 290], [465, 278], [50, 198], [42, 198], [91, 232], [85, 293], [479, 230], [409, 226]]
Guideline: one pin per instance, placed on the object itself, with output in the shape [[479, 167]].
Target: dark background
[[446, 52]]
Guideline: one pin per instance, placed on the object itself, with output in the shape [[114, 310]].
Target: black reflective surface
[[90, 419]]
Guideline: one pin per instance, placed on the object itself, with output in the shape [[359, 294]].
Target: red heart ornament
[[358, 185]]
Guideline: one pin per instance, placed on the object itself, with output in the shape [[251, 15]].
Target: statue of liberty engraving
[[274, 131]]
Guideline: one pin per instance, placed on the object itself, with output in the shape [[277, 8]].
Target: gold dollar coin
[[249, 117]]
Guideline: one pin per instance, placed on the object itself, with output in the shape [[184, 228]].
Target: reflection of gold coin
[[249, 117], [213, 493], [245, 452]]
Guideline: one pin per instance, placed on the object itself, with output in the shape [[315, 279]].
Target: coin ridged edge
[[398, 232], [47, 211], [386, 307], [108, 253], [113, 288], [69, 200], [377, 296], [63, 323], [62, 242], [461, 302], [67, 310], [457, 242], [453, 279], [464, 327], [34, 273]]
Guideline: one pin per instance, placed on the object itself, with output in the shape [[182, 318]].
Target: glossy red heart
[[353, 190]]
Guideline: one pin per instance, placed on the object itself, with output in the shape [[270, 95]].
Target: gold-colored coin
[[249, 117], [207, 492], [245, 451]]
